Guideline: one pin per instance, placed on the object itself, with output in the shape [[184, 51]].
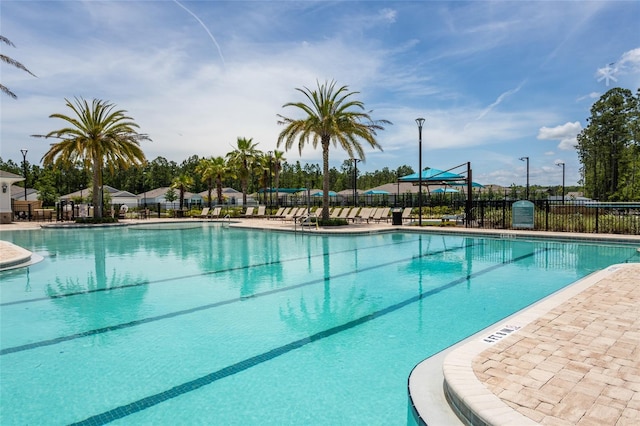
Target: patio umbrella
[[376, 192], [319, 194], [432, 175], [444, 190]]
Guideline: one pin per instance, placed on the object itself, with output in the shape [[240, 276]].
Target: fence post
[[504, 214], [546, 216], [597, 217]]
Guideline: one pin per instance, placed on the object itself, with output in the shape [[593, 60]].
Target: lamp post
[[24, 168], [527, 160], [419, 122], [561, 163], [144, 191], [270, 174], [355, 181]]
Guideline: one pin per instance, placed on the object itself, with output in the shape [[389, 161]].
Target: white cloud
[[565, 133], [630, 60]]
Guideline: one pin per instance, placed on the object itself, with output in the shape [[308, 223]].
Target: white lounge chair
[[204, 213]]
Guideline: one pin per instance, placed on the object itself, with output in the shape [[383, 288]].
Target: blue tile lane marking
[[150, 401], [115, 327], [184, 277]]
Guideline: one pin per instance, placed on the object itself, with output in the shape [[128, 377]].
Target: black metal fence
[[611, 218]]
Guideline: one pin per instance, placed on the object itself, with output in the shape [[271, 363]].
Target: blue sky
[[495, 81]]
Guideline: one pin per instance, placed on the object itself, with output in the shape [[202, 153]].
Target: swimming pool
[[214, 325]]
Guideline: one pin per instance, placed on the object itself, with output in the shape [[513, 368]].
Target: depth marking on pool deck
[[181, 389], [184, 277], [93, 332]]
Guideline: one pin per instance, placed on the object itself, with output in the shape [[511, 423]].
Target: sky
[[495, 81]]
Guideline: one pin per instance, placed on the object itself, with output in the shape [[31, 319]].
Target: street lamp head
[[420, 122], [24, 152], [560, 163], [524, 158]]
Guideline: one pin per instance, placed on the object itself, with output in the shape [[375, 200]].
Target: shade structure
[[431, 175], [473, 184], [375, 192], [320, 193], [444, 190]]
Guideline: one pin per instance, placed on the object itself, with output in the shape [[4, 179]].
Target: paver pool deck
[[570, 359]]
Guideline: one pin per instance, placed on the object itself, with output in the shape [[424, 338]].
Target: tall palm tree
[[182, 183], [99, 136], [278, 157], [331, 116], [10, 61], [241, 159]]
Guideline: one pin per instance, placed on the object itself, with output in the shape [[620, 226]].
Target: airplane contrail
[[205, 28], [497, 102]]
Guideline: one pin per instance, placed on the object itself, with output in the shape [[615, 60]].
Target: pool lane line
[[184, 277], [134, 323], [181, 389]]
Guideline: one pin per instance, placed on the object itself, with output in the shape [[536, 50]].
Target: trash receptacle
[[396, 216]]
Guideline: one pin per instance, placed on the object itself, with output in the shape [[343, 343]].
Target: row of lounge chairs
[[353, 214]]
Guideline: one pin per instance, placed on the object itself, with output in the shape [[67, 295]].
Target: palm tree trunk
[[325, 179], [97, 191]]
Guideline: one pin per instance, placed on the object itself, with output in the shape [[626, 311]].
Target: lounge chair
[[365, 214], [261, 211], [215, 213], [335, 213], [353, 214], [292, 214], [278, 214], [204, 213], [344, 213], [406, 213], [384, 215], [378, 215], [249, 212]]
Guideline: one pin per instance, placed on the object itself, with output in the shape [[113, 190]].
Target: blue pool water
[[213, 325]]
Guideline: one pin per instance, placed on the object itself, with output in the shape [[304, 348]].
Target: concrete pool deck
[[571, 359]]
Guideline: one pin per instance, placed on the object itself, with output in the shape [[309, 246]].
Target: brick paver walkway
[[577, 365]]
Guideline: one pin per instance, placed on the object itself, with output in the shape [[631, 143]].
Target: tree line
[[609, 147], [53, 181]]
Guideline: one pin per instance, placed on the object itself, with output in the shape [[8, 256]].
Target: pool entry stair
[[13, 256]]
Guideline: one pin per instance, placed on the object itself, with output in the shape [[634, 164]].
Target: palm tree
[[182, 183], [242, 159], [206, 173], [214, 169], [10, 61], [98, 136], [278, 156], [330, 117], [262, 168]]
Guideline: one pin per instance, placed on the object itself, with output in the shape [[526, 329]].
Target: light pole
[[561, 163], [270, 184], [355, 181], [24, 168], [144, 193], [419, 122], [527, 160]]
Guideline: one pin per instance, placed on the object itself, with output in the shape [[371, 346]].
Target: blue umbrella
[[444, 190], [376, 192], [432, 175], [319, 194]]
